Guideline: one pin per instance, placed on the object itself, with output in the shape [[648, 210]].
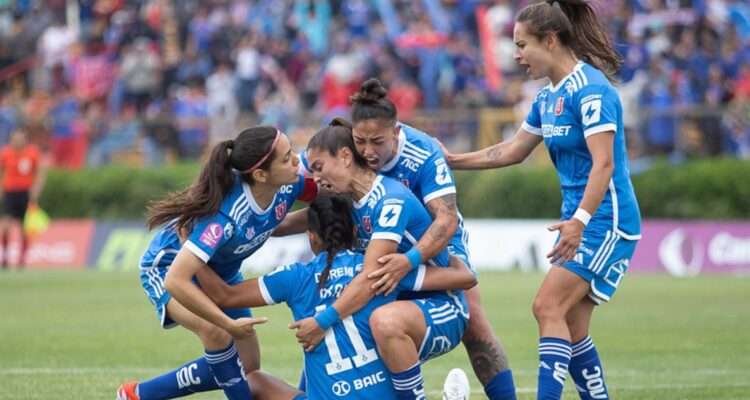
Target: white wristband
[[583, 216]]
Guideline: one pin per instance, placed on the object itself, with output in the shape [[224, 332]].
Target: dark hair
[[330, 217], [336, 136], [575, 24], [371, 102], [204, 196]]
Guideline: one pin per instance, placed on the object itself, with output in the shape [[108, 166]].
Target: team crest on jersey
[[405, 182], [281, 210], [367, 224], [250, 233], [559, 105]]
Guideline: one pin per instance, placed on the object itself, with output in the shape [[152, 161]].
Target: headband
[[262, 160]]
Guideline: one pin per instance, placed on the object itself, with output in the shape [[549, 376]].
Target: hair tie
[[262, 160], [551, 2], [230, 145]]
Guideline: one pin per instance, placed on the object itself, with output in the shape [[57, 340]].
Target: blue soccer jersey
[[238, 230], [390, 211], [419, 164], [346, 364], [583, 104]]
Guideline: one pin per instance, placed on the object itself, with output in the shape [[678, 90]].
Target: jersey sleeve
[[436, 178], [533, 121], [390, 218], [209, 235], [280, 284], [596, 108]]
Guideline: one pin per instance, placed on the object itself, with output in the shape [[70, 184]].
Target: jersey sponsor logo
[[186, 376], [442, 177], [281, 210], [254, 243], [367, 224], [591, 112], [559, 105], [228, 231], [549, 130], [212, 234], [389, 215], [369, 380], [341, 388]]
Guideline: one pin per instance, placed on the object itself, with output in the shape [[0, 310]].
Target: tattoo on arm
[[494, 153], [441, 205]]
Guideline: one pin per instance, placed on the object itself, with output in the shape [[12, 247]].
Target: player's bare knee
[[545, 310], [213, 336], [385, 323]]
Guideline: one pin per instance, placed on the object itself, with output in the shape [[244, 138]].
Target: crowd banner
[[680, 248]]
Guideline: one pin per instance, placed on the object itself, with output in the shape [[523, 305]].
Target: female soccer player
[[579, 118], [243, 192], [346, 364], [389, 218], [401, 152]]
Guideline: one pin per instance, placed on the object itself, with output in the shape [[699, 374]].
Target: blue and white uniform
[[222, 241], [420, 165], [346, 364], [583, 104], [390, 211]]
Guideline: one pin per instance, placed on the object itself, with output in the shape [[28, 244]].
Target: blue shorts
[[152, 280], [445, 327], [602, 260]]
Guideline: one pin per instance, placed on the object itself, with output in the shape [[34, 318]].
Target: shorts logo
[[212, 234], [281, 210], [341, 388], [367, 224]]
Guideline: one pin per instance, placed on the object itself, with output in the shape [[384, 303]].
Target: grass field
[[78, 335]]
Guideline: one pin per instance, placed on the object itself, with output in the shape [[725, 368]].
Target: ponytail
[[330, 218], [217, 176]]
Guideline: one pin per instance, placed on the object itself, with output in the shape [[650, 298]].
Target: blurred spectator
[[190, 112], [140, 71], [222, 104]]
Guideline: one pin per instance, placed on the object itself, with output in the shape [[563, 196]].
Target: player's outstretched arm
[[499, 155], [244, 294], [179, 284], [457, 276]]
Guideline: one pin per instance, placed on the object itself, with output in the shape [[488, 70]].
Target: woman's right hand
[[244, 328]]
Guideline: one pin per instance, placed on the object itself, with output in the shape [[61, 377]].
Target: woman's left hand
[[309, 333], [571, 232], [394, 267]]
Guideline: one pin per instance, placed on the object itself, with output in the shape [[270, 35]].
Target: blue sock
[[227, 368], [501, 387], [554, 356], [587, 372], [409, 384], [190, 378]]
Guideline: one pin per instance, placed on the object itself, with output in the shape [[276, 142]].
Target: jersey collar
[[401, 141], [254, 204], [363, 201], [560, 84]]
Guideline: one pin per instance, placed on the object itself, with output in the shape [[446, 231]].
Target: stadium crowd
[[97, 80]]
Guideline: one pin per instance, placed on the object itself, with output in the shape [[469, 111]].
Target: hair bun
[[371, 91], [339, 121]]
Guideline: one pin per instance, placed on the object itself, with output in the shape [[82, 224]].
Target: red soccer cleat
[[127, 391]]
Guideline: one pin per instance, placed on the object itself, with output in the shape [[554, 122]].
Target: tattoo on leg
[[487, 359]]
